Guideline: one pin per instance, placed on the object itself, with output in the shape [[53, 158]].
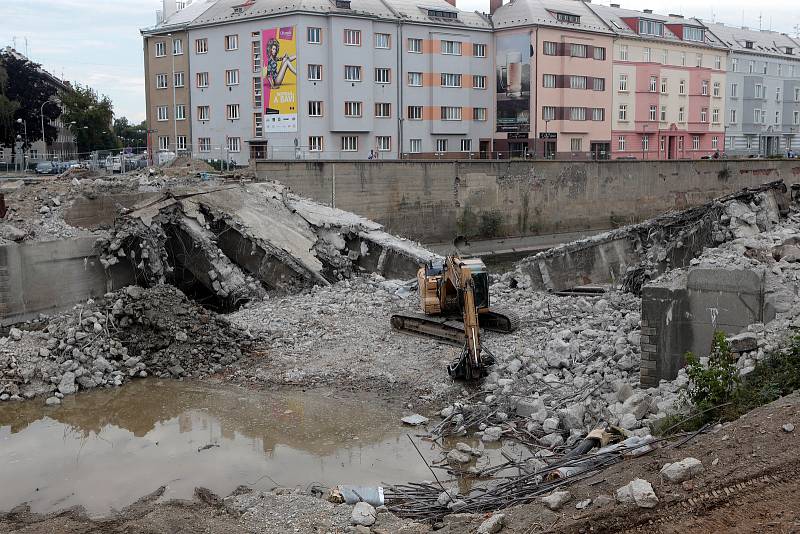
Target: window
[[577, 114], [180, 142], [314, 35], [383, 143], [734, 64], [623, 112], [646, 55], [466, 145], [203, 113], [698, 60], [704, 115], [598, 84], [718, 62], [415, 79], [646, 142], [415, 146], [204, 144], [663, 113], [766, 65], [714, 142], [232, 77], [315, 143], [352, 73], [383, 110], [161, 81], [759, 90], [549, 81], [352, 37], [256, 55], [179, 79], [352, 109], [695, 142], [177, 47], [664, 56], [682, 87], [716, 91], [315, 108], [734, 90], [796, 119], [548, 113], [441, 145], [662, 144], [257, 93], [777, 117], [575, 144], [577, 82], [653, 113], [202, 79], [653, 84], [777, 94], [577, 50], [756, 116], [751, 67], [161, 49], [651, 27], [382, 40], [780, 69], [231, 42], [163, 142], [621, 143], [663, 86], [315, 72], [415, 113], [797, 94], [232, 112], [180, 112], [478, 82], [693, 33], [350, 143], [681, 114], [598, 114], [749, 141], [450, 80], [451, 48], [704, 88], [599, 53], [479, 114], [163, 113], [733, 116], [568, 17], [623, 52], [415, 46], [623, 82], [715, 116], [478, 50], [201, 46], [451, 113], [234, 144]]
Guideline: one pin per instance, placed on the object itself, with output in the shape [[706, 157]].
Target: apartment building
[[763, 91], [668, 85], [353, 79], [553, 60]]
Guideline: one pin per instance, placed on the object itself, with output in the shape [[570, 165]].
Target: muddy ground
[[749, 485]]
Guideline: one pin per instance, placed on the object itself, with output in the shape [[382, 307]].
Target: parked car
[[46, 167]]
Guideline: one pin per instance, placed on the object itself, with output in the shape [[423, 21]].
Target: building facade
[[763, 91]]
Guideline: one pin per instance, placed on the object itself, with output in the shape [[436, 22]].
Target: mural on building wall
[[279, 77], [514, 58]]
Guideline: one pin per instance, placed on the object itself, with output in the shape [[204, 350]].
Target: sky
[[97, 42]]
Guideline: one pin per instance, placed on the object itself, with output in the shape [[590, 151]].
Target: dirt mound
[[188, 164]]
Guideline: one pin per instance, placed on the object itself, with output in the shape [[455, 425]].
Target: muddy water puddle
[[105, 449]]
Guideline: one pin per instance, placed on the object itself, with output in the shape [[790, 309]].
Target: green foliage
[[491, 223], [713, 384], [467, 223], [92, 115], [130, 135]]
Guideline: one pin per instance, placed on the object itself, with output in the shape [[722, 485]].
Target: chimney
[[494, 5], [170, 7], [451, 2]]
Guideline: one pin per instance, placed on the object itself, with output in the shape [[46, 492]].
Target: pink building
[[553, 68], [668, 85]]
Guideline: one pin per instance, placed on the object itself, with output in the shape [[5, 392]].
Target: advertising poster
[[279, 76], [514, 53]]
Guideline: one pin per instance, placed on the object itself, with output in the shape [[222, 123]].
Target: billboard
[[279, 78], [513, 60]]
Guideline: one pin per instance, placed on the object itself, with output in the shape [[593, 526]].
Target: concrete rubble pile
[[230, 244], [134, 332]]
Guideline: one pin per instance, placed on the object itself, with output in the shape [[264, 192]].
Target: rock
[[12, 233], [552, 440], [458, 457], [744, 342], [638, 491], [446, 497], [181, 336], [683, 470], [363, 514], [15, 334], [492, 525], [556, 500], [550, 424], [52, 401], [463, 447], [624, 392], [572, 416], [414, 420], [603, 500], [627, 421], [580, 505], [67, 384], [492, 434], [788, 427], [528, 407]]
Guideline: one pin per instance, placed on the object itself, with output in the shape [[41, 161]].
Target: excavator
[[451, 289]]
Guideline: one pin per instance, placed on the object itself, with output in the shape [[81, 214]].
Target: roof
[[213, 12], [54, 80], [613, 16], [543, 13], [765, 42]]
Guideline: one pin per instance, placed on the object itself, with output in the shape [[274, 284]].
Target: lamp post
[[25, 125]]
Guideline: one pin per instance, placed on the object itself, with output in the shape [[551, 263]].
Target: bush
[[713, 384]]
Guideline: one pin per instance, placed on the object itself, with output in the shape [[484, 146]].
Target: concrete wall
[[433, 201], [51, 276]]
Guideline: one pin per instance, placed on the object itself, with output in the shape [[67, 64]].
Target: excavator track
[[449, 330]]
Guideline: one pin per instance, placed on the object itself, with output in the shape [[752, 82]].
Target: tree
[[131, 135], [89, 116], [24, 87]]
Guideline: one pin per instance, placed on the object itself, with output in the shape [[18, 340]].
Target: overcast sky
[[97, 43]]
